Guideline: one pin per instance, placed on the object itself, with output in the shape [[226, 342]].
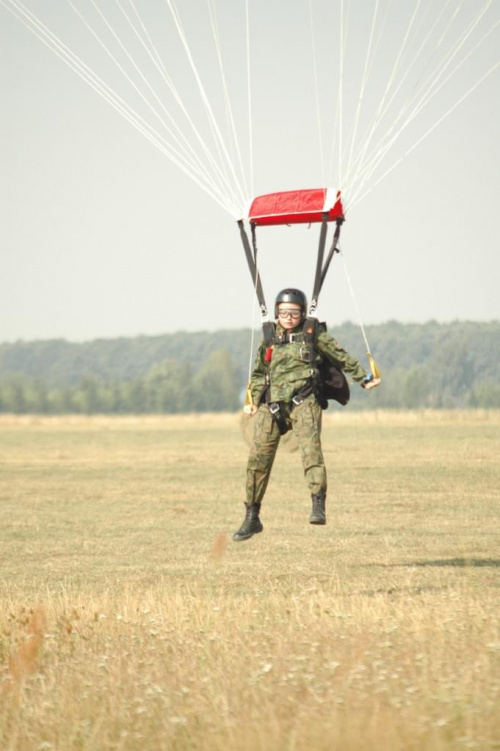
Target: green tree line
[[423, 365], [170, 387]]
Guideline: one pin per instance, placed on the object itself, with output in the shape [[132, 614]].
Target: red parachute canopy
[[296, 207]]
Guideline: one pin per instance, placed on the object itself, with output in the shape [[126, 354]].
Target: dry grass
[[129, 619]]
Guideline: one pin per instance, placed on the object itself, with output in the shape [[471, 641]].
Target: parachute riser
[[333, 249], [322, 270], [252, 265], [320, 275]]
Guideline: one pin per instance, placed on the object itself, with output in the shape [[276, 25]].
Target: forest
[[431, 365]]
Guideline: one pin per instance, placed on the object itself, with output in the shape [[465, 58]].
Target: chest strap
[[289, 338]]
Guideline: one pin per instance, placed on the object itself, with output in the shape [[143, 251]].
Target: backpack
[[331, 383]]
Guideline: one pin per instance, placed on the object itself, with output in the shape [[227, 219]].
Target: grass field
[[130, 620]]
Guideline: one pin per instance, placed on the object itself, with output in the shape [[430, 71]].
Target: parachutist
[[293, 378]]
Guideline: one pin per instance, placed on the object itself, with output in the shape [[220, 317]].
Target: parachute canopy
[[296, 207]]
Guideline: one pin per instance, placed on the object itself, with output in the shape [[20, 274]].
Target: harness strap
[[319, 264], [252, 265], [312, 327], [268, 327], [334, 249], [322, 270], [302, 394], [276, 408], [296, 338], [310, 332]]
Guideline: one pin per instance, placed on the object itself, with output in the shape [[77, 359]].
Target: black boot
[[318, 515], [251, 525]]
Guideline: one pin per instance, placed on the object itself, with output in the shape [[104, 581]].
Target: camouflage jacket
[[289, 367]]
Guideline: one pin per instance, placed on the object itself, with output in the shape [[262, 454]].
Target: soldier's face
[[289, 314]]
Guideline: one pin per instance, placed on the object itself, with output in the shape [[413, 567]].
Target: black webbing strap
[[333, 249], [252, 265], [276, 410], [253, 230], [322, 270], [319, 262], [311, 329], [268, 327]]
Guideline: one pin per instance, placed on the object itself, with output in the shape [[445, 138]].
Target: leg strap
[[276, 410]]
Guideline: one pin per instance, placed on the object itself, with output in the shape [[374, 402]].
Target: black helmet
[[291, 295]]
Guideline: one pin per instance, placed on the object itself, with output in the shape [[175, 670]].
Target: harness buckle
[[297, 400], [274, 408], [304, 354]]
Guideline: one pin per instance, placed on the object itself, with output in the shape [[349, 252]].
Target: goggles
[[293, 314]]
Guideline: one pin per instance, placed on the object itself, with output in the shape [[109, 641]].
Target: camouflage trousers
[[305, 421]]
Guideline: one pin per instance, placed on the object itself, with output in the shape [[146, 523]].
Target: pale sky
[[102, 236]]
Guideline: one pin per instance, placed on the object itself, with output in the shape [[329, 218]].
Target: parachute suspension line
[[227, 104], [383, 106], [408, 68], [364, 82], [384, 147], [450, 23], [371, 360], [158, 63], [422, 46], [39, 30], [428, 132], [316, 93], [341, 88], [430, 88], [349, 181], [337, 131], [334, 138], [249, 91], [213, 24], [179, 101], [380, 110], [387, 100], [229, 109], [220, 175], [208, 109], [129, 58], [155, 57]]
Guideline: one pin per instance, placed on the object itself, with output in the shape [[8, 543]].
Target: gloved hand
[[250, 409], [369, 382]]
